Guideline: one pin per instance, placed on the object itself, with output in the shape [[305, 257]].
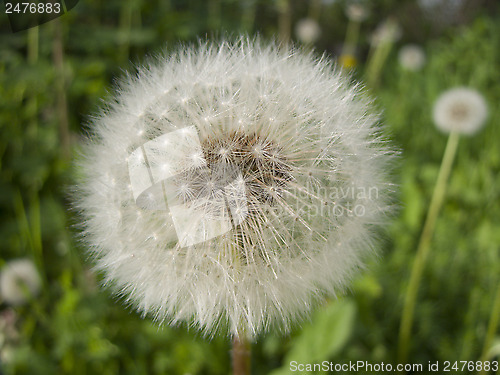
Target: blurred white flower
[[388, 31], [307, 30], [356, 12], [19, 281], [412, 57], [461, 110], [233, 184]]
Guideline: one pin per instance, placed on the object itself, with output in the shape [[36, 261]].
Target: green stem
[[125, 30], [30, 229], [32, 99], [379, 52], [351, 38], [492, 328], [376, 63], [248, 16], [314, 12], [61, 99], [33, 45], [470, 335], [423, 246], [284, 21], [214, 14]]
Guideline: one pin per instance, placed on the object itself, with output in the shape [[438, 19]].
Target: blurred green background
[[53, 77]]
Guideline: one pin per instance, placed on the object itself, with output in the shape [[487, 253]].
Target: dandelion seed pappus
[[205, 181]]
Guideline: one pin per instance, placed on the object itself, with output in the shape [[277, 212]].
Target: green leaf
[[324, 337]]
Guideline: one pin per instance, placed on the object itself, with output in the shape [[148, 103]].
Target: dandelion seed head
[[388, 31], [236, 231], [461, 110], [357, 12], [307, 30], [412, 57], [19, 281]]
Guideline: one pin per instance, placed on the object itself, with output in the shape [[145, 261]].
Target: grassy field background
[[54, 76]]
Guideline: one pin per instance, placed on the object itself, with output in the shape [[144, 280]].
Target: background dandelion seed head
[[461, 109]]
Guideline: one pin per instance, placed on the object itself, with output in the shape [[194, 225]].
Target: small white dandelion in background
[[356, 12], [381, 41], [19, 281], [412, 57], [461, 109], [458, 111], [252, 191], [386, 32], [307, 30]]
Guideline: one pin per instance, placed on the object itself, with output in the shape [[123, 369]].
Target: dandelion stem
[[32, 47], [315, 10], [214, 14], [284, 21], [423, 246], [125, 30], [248, 16], [492, 328], [376, 62], [61, 99], [241, 355], [351, 38], [379, 52]]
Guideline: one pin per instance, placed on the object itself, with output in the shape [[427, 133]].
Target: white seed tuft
[[356, 11], [461, 110], [19, 281], [268, 217], [412, 57], [307, 30]]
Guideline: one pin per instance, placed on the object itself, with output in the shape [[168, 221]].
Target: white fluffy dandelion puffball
[[462, 110], [388, 31], [411, 57], [356, 12], [232, 186], [19, 281], [307, 30]]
